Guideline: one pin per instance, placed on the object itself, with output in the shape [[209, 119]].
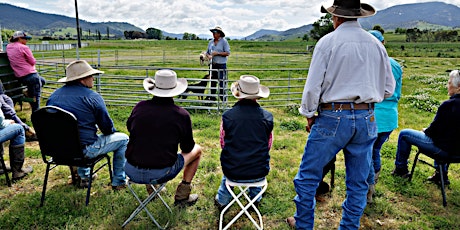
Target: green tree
[[322, 27], [153, 33], [378, 28]]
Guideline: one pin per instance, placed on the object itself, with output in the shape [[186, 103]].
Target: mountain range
[[428, 15]]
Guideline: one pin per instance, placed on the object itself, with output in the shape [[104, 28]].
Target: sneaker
[[401, 172], [291, 222], [436, 178], [192, 198]]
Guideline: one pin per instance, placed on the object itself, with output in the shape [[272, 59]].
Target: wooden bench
[[11, 85]]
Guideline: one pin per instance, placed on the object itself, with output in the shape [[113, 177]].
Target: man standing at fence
[[89, 108], [349, 72], [22, 62], [218, 51]]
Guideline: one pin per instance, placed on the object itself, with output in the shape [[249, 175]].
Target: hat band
[[163, 88], [241, 90]]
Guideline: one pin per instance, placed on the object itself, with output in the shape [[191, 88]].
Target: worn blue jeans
[[354, 132], [409, 137], [116, 143], [376, 163], [14, 133], [224, 197], [154, 176], [34, 83]]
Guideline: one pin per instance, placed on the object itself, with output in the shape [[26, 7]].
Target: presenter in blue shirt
[[89, 108], [218, 51]]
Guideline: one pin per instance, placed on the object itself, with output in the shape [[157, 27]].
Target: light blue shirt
[[221, 46], [386, 112], [348, 65]]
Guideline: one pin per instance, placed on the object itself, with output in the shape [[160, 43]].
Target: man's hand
[[310, 122]]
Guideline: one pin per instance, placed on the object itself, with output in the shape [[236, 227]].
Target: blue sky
[[236, 17]]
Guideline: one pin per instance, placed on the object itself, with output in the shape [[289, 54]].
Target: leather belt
[[346, 106]]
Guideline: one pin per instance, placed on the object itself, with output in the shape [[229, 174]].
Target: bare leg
[[191, 162]]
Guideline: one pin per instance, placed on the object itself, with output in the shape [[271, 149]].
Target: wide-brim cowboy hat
[[77, 70], [165, 84], [218, 29], [249, 87], [349, 9]]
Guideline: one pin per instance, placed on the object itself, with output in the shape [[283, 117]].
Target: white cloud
[[236, 17]]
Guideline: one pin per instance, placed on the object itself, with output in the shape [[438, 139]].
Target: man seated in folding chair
[[157, 128], [246, 138], [89, 108], [441, 137]]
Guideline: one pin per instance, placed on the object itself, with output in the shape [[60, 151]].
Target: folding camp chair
[[59, 140], [441, 160], [143, 204], [243, 188]]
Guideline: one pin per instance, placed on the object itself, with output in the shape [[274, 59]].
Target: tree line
[[153, 33]]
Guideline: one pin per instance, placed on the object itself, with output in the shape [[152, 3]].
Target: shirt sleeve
[[103, 120], [187, 143], [29, 56]]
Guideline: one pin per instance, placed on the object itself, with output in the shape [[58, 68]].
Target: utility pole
[[78, 25]]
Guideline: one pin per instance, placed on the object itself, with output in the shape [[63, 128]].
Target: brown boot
[[370, 193], [183, 196], [17, 161]]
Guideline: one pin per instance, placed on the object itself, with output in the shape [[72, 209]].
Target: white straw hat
[[249, 87], [78, 69], [165, 84]]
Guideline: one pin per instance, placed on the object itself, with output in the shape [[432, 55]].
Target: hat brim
[[366, 10], [86, 74], [264, 92], [181, 86], [221, 33]]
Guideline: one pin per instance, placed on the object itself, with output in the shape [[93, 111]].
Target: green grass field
[[398, 204]]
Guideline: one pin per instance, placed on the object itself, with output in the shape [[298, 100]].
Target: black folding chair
[[5, 171], [59, 140], [441, 160]]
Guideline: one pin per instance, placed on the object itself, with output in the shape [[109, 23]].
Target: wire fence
[[121, 84]]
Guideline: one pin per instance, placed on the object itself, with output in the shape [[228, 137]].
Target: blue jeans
[[409, 137], [34, 83], [116, 143], [224, 197], [154, 176], [354, 132], [14, 133], [375, 163], [221, 75]]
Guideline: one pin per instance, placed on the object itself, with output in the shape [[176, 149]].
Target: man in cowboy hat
[[218, 52], [349, 72], [246, 138], [89, 108], [157, 127], [22, 62]]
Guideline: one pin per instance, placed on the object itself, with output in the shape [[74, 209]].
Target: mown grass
[[399, 204]]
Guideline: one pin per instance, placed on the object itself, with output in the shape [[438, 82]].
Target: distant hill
[[430, 15], [37, 23]]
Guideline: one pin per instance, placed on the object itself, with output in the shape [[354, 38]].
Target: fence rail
[[121, 85]]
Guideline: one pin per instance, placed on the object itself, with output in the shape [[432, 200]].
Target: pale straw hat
[[249, 87], [77, 70], [165, 84]]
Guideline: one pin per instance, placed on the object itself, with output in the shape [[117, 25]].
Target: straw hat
[[218, 29], [165, 84], [77, 70], [349, 9], [249, 87]]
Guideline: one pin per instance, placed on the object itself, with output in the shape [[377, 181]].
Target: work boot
[[183, 196], [436, 178], [31, 135], [370, 193], [17, 161], [376, 177], [401, 172]]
